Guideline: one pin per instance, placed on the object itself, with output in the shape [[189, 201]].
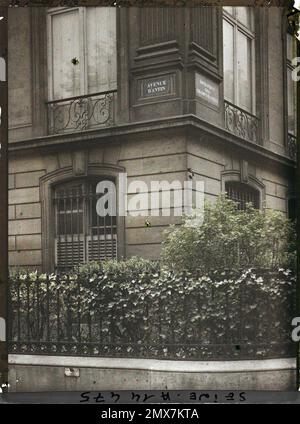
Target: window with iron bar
[[242, 194], [81, 235]]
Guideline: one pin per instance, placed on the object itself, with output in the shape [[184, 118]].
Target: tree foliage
[[230, 238]]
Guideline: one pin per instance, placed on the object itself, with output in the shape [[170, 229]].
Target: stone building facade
[[157, 93]]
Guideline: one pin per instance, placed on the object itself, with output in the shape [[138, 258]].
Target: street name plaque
[[207, 89], [158, 86]]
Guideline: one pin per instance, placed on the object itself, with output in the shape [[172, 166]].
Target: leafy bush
[[230, 238], [128, 268]]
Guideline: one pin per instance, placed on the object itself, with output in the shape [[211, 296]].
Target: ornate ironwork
[[241, 123], [292, 146], [49, 316], [82, 112]]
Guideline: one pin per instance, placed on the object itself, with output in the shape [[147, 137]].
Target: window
[[81, 51], [291, 85], [238, 57], [81, 235], [292, 208], [242, 194]]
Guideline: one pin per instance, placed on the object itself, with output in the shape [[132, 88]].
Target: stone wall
[[51, 373], [158, 156]]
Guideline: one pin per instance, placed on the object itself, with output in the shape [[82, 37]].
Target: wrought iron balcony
[[292, 146], [82, 112], [241, 123]]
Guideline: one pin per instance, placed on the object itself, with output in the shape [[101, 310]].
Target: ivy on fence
[[158, 314]]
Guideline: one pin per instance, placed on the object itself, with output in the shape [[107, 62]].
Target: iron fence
[[82, 112], [223, 320], [242, 123]]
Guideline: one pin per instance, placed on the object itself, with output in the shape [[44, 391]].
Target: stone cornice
[[121, 132]]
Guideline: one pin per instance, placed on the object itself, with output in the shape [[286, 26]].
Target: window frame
[[86, 236], [255, 183], [240, 27], [289, 66], [241, 186], [63, 176]]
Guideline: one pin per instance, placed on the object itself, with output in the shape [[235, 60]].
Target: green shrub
[[229, 238], [128, 268]]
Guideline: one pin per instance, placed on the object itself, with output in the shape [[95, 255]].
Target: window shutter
[[65, 44], [101, 248], [69, 253]]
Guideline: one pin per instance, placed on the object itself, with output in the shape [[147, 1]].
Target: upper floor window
[[81, 51], [243, 194], [81, 235], [238, 56], [291, 85]]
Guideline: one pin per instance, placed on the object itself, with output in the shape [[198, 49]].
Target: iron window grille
[[81, 235], [242, 194]]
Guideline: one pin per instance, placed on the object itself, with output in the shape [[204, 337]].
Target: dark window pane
[[292, 211]]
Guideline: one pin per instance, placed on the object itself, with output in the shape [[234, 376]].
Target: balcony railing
[[292, 146], [241, 123], [82, 112]]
